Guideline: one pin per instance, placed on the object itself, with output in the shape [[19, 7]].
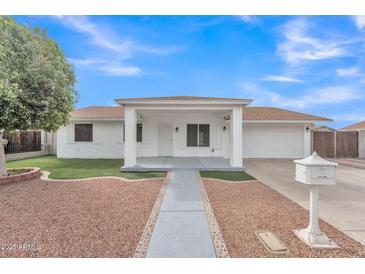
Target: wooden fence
[[324, 143], [341, 144], [22, 141], [347, 144]]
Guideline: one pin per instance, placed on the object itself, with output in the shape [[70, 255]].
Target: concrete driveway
[[342, 205]]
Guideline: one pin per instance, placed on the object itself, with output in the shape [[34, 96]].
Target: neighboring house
[[322, 128], [355, 127], [185, 126]]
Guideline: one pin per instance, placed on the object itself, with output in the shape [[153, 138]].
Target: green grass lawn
[[81, 168], [227, 175]]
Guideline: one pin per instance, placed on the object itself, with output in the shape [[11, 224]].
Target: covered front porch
[[173, 133], [169, 163]]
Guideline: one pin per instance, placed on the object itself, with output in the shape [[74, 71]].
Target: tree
[[37, 83]]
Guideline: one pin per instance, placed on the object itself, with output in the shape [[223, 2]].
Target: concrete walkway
[[182, 229]]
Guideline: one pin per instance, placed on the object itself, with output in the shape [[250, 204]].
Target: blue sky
[[312, 64]]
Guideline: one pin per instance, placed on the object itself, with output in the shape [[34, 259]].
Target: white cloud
[[202, 22], [299, 44], [158, 51], [118, 70], [359, 21], [322, 96], [333, 95], [247, 18], [344, 72], [99, 36], [118, 49], [354, 116], [280, 78], [107, 67], [263, 96], [104, 37]]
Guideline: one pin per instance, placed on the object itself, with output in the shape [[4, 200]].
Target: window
[[139, 133], [198, 135], [192, 135], [204, 135], [83, 132]]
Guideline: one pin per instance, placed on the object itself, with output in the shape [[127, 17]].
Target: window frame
[[136, 132], [92, 133], [141, 127], [208, 126], [196, 141], [198, 135]]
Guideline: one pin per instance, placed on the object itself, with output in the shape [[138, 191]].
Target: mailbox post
[[315, 171]]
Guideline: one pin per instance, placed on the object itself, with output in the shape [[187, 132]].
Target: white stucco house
[[185, 126]]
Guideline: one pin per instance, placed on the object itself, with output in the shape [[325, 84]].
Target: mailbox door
[[301, 173], [322, 172]]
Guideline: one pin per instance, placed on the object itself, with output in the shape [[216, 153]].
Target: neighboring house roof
[[182, 99], [323, 128], [357, 126], [249, 113], [278, 114]]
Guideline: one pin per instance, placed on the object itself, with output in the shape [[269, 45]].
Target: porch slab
[[169, 163]]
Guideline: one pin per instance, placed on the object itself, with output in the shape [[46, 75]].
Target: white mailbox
[[315, 170]]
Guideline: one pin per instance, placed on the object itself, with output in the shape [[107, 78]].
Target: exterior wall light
[[224, 129], [176, 129]]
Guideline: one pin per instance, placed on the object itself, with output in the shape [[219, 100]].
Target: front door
[[165, 139]]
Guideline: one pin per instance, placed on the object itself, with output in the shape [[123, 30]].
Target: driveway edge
[[217, 237], [142, 246]]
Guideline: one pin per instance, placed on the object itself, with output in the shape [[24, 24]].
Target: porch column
[[236, 137], [130, 151]]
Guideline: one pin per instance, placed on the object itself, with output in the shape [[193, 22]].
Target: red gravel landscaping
[[96, 218], [243, 208]]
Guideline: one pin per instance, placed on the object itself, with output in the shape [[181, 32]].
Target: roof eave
[[124, 102], [283, 121]]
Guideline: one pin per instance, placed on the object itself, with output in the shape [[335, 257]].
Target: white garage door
[[264, 140]]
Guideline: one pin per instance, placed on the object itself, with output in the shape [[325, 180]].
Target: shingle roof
[[323, 128], [249, 113], [277, 114], [98, 112], [181, 98], [360, 125]]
